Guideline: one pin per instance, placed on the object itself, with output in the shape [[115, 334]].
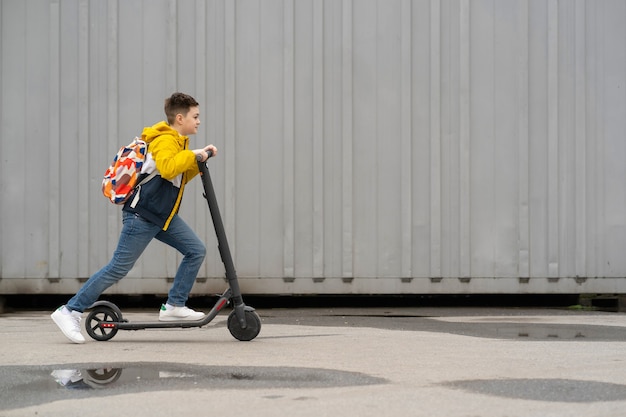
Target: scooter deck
[[128, 325]]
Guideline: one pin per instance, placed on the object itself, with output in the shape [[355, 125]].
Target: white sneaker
[[69, 323], [179, 313]]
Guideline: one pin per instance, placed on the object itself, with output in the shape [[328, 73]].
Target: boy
[[151, 212]]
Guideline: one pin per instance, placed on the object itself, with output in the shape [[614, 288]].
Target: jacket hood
[[162, 128]]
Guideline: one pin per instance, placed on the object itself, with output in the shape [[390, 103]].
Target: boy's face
[[188, 124]]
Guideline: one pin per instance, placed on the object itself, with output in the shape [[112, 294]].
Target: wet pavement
[[326, 361], [24, 386]]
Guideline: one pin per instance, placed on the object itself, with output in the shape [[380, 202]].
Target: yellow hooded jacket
[[159, 199]]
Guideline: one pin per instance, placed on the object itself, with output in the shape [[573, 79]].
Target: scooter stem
[[222, 243]]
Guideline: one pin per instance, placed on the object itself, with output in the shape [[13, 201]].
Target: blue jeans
[[135, 236]]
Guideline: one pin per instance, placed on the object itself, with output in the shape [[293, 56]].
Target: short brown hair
[[178, 103]]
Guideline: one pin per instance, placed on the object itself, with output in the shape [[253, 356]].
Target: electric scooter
[[105, 318]]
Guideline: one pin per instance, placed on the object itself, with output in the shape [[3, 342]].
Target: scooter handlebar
[[199, 156]]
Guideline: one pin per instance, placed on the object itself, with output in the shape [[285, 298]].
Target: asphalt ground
[[322, 361]]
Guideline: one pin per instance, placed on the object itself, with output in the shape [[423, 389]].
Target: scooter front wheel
[[253, 326], [98, 323]]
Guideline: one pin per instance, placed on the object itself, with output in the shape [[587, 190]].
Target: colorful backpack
[[120, 179]]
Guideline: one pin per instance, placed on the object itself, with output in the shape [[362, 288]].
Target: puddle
[[23, 386], [498, 329], [539, 331], [550, 390]]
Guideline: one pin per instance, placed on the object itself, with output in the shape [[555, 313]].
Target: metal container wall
[[371, 146]]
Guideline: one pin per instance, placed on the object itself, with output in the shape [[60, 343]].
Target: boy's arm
[[204, 154], [192, 172], [170, 161]]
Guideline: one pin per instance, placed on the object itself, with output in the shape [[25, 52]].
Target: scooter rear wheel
[[253, 326], [96, 323]]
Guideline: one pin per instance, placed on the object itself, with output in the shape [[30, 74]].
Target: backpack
[[120, 178]]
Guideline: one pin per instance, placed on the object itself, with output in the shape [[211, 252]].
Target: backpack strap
[[148, 178], [138, 187]]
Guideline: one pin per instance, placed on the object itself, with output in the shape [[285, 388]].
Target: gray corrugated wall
[[366, 146]]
